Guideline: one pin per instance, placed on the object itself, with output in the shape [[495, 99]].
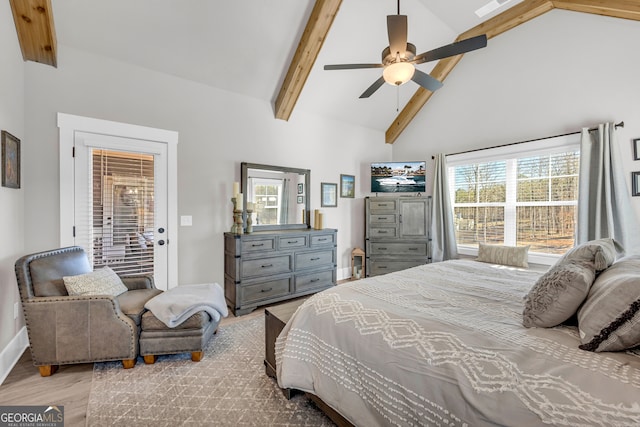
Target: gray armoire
[[396, 233]]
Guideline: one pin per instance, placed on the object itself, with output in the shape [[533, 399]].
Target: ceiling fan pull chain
[[398, 7], [397, 97]]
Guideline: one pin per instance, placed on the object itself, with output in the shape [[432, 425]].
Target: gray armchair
[[67, 329]]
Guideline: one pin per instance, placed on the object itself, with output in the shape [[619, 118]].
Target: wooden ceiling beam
[[36, 32], [626, 9], [318, 25], [510, 18]]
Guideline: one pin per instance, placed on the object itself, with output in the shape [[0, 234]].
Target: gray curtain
[[443, 233], [604, 204], [284, 202]]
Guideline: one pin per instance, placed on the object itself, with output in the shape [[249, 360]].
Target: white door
[[120, 209]]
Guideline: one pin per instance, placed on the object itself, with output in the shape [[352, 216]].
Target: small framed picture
[[636, 149], [300, 200], [300, 189], [10, 160], [347, 186], [328, 195], [635, 183]]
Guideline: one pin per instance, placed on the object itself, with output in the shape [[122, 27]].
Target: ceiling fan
[[399, 58]]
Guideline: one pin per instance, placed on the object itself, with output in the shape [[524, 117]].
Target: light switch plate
[[186, 220]]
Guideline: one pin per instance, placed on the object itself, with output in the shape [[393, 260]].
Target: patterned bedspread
[[443, 344]]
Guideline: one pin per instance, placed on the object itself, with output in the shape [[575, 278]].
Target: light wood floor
[[69, 386]]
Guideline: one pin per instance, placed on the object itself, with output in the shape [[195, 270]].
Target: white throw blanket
[[178, 304]]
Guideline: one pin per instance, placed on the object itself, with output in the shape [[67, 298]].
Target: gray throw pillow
[[602, 253], [504, 255], [609, 320], [557, 294], [103, 281]]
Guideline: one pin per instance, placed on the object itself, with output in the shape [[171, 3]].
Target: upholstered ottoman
[[192, 335], [181, 320]]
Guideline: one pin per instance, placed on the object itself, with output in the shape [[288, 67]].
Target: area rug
[[228, 387]]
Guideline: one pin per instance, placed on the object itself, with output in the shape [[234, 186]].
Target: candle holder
[[237, 217], [236, 228], [249, 228]]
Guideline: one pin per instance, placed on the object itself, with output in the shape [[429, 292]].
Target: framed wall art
[[328, 195], [635, 183], [10, 160], [347, 186], [636, 149]]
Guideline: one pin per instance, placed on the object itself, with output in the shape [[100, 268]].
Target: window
[[524, 195], [266, 194]]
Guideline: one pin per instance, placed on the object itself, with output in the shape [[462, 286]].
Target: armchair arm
[[144, 281], [78, 329]]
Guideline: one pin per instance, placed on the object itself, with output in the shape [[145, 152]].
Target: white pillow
[[505, 255], [103, 281]]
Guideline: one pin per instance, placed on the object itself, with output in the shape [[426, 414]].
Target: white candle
[[236, 189], [250, 206], [239, 201]]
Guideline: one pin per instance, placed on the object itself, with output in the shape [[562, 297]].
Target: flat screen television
[[398, 177]]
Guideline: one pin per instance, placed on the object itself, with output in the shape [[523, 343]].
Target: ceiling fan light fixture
[[398, 73]]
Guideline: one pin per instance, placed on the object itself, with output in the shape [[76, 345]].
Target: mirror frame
[[244, 167]]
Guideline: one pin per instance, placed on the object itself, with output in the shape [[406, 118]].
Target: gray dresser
[[269, 266], [396, 233]]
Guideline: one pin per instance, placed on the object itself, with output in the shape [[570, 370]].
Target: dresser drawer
[[258, 245], [292, 242], [323, 239], [264, 290], [382, 218], [304, 282], [383, 232], [383, 205], [314, 259], [408, 249], [266, 266], [378, 267]]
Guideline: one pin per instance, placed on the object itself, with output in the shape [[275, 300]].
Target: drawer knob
[[382, 231], [315, 259], [314, 280], [382, 249], [292, 242], [413, 249], [323, 240], [266, 290], [266, 265], [256, 245]]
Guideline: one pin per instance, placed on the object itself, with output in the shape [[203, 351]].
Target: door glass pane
[[123, 211]]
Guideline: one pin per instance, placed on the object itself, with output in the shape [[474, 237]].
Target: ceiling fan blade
[[397, 30], [351, 66], [426, 81], [374, 87], [457, 48]]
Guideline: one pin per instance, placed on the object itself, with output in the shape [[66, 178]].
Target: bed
[[444, 344]]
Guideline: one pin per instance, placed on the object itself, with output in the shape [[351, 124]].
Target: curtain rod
[[617, 125]]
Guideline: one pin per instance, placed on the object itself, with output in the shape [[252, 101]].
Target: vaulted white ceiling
[[244, 46]]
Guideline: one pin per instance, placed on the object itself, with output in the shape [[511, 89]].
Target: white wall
[[553, 75], [11, 200], [218, 130]]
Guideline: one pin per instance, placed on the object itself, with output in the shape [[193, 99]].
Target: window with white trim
[[520, 195]]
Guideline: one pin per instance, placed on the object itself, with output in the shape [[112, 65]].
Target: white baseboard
[[12, 353], [344, 273]]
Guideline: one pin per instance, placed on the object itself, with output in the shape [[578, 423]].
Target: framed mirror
[[279, 197]]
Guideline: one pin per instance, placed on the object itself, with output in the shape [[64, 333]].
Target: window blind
[[122, 207]]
